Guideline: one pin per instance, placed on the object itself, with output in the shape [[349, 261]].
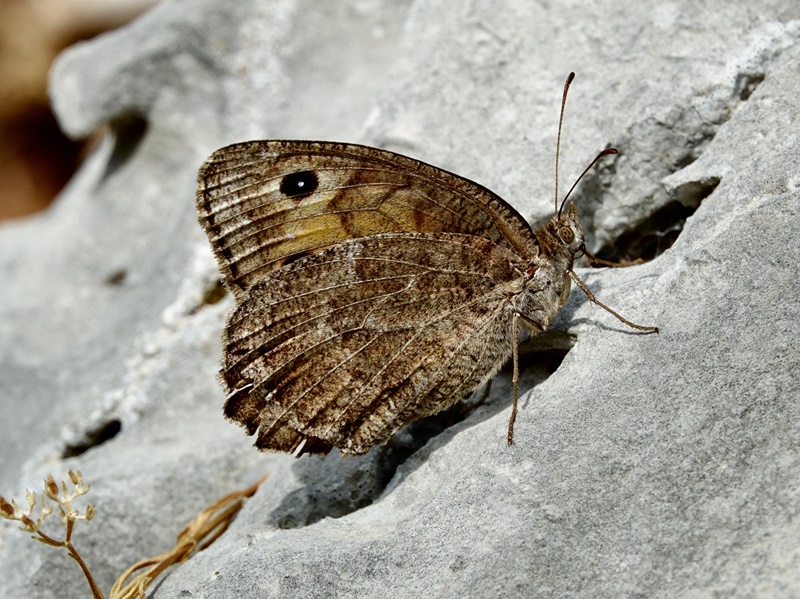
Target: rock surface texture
[[652, 466]]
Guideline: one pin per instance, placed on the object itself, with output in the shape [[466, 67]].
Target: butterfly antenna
[[605, 152], [570, 77]]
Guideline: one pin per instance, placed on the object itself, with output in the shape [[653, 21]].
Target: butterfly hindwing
[[348, 345]]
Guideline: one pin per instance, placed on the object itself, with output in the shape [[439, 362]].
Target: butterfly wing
[[264, 204], [344, 347]]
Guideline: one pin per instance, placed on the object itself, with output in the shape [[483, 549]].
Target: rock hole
[[746, 84], [651, 238], [93, 438], [214, 293], [129, 131], [116, 278], [656, 234], [692, 193]]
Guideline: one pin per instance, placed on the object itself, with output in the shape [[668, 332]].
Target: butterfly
[[371, 289]]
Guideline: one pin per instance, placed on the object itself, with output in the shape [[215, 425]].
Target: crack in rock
[[333, 486]]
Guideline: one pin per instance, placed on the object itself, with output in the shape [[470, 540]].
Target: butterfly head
[[569, 230]]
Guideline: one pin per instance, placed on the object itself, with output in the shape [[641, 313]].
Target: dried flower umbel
[[203, 530], [63, 498]]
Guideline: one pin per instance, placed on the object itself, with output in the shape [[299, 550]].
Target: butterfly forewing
[[264, 204], [350, 344]]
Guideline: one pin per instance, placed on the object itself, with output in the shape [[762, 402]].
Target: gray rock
[[644, 465]]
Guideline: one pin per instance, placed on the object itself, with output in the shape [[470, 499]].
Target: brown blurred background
[[36, 160]]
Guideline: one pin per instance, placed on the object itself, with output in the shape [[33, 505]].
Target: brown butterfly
[[372, 289]]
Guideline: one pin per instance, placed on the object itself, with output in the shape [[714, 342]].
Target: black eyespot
[[299, 185]]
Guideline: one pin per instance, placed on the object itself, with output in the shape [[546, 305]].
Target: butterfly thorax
[[548, 285]]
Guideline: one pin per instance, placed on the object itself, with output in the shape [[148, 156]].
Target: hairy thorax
[[547, 288]]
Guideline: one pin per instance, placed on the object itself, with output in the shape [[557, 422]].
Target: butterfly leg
[[598, 262], [594, 300], [514, 378]]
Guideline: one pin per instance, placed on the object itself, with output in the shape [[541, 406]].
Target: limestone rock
[[644, 465]]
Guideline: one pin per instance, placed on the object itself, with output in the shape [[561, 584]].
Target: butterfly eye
[[299, 185], [566, 234]]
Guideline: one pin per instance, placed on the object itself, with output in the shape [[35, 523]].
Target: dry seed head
[[6, 508], [28, 524], [51, 488]]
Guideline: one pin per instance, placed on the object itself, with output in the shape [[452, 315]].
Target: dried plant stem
[[206, 527], [73, 553], [203, 530]]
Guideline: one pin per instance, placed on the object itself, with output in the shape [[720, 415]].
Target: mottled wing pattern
[[264, 204], [344, 347]]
